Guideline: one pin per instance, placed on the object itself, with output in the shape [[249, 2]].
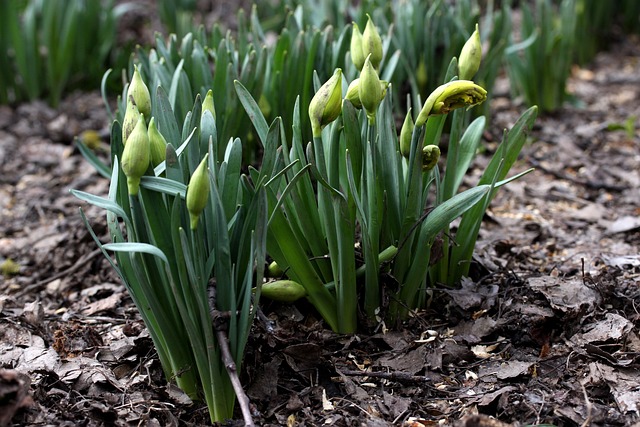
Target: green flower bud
[[198, 191], [470, 57], [207, 104], [430, 157], [136, 156], [353, 93], [449, 96], [372, 43], [283, 290], [357, 55], [140, 93], [274, 270], [326, 104], [158, 144], [130, 120], [369, 89], [405, 135], [422, 74]]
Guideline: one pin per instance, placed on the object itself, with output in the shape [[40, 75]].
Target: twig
[[76, 266], [230, 365], [587, 421], [393, 376]]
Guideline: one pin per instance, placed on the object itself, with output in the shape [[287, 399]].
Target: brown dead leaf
[[14, 394], [570, 295]]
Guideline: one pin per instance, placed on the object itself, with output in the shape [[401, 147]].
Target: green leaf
[[136, 247], [253, 110]]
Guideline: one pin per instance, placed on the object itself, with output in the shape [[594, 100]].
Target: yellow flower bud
[[326, 104], [449, 96], [158, 144], [283, 290], [130, 120], [470, 57], [207, 104], [198, 191], [372, 43], [140, 93], [357, 55], [405, 135], [430, 157], [136, 156], [369, 89]]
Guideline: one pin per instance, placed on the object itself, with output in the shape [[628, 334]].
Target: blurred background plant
[[48, 47]]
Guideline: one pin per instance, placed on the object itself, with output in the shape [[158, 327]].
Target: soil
[[547, 331]]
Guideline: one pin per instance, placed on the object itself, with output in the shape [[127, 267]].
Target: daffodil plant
[[188, 234], [354, 214]]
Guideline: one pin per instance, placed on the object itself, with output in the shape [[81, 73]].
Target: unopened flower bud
[[326, 104], [158, 144], [207, 104], [130, 120], [470, 57], [198, 191], [405, 135], [369, 89], [357, 54], [430, 157], [422, 75], [140, 93], [274, 270], [353, 93], [449, 96], [372, 43], [136, 156], [283, 290]]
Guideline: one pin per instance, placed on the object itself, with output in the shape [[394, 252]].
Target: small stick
[[230, 365], [393, 376]]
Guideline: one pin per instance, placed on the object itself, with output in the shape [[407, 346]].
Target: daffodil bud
[[283, 290], [357, 55], [157, 143], [353, 93], [326, 104], [449, 96], [470, 57], [405, 135], [131, 114], [422, 75], [372, 43], [274, 270], [207, 104], [140, 93], [369, 89], [430, 157], [136, 156], [198, 192]]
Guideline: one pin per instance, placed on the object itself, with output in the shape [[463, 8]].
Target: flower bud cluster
[[366, 44]]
